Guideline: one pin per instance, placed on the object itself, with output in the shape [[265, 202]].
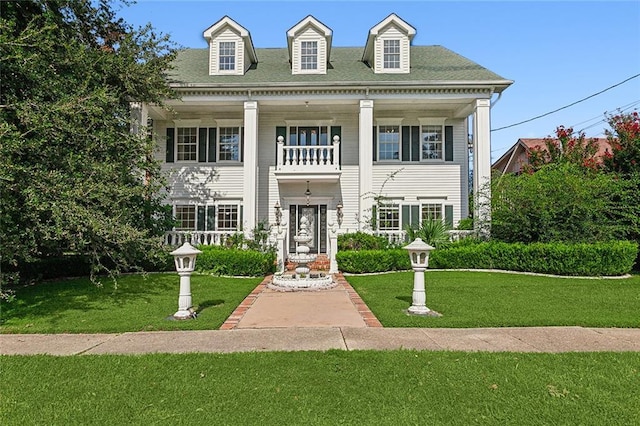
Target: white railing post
[[280, 154], [336, 151]]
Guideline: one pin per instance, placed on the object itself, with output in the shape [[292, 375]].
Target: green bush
[[361, 241], [364, 261], [235, 262], [598, 259]]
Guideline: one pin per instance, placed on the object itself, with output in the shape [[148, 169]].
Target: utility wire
[[566, 106]]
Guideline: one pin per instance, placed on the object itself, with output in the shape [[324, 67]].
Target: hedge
[[236, 262], [598, 259]]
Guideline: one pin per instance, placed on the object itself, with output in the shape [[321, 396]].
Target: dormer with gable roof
[[388, 46], [309, 43], [231, 50]]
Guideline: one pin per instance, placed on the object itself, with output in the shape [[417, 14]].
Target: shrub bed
[[598, 259], [235, 262], [363, 261]]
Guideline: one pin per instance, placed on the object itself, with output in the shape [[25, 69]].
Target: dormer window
[[392, 54], [231, 50], [309, 43], [309, 55], [388, 46], [227, 56]]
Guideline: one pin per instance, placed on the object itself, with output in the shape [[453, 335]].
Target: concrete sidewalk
[[525, 339]]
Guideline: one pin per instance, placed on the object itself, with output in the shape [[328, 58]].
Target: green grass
[[483, 299], [137, 303], [315, 388]]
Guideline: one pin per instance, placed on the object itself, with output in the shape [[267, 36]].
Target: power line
[[566, 106]]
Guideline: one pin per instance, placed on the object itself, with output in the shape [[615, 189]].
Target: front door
[[316, 226]]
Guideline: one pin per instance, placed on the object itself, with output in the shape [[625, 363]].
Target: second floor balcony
[[295, 162]]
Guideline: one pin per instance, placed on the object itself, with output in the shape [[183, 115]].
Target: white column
[[482, 165], [250, 192], [333, 248], [365, 162]]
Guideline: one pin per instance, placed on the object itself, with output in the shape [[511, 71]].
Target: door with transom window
[[316, 226]]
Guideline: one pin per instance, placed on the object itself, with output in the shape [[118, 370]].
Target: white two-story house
[[354, 138]]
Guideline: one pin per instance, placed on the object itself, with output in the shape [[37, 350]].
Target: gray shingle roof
[[428, 64]]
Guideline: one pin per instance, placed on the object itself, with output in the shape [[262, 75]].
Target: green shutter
[[415, 143], [406, 217], [375, 144], [212, 144], [448, 143], [280, 131], [211, 218], [415, 217], [241, 143], [171, 133], [200, 219], [336, 131], [240, 218], [448, 216], [202, 145], [374, 218], [406, 143]]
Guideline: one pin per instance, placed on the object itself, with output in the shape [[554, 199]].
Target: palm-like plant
[[432, 231]]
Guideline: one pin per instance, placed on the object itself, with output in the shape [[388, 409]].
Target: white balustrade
[[308, 157], [195, 238]]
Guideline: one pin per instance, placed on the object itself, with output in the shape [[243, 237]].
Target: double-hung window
[[391, 54], [187, 143], [431, 142], [431, 212], [185, 218], [388, 143], [309, 55], [388, 217], [229, 144], [227, 219], [227, 56]]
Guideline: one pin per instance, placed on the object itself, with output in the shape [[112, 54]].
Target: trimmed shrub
[[361, 241], [235, 262], [363, 261], [598, 259]]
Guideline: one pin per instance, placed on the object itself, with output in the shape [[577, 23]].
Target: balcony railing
[[400, 237], [195, 238], [308, 158]]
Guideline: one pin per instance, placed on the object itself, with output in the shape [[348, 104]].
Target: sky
[[557, 53]]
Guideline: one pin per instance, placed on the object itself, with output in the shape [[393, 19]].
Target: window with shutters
[[388, 143], [388, 217], [185, 218], [187, 143], [227, 219], [229, 144], [431, 142], [227, 56], [431, 212], [391, 58]]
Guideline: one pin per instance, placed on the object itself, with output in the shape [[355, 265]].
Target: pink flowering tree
[[565, 148]]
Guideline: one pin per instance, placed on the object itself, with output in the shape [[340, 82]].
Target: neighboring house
[[517, 156], [319, 131]]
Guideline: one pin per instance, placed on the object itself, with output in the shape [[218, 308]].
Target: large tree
[[74, 178]]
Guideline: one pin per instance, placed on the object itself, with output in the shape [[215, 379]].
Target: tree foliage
[[566, 147], [74, 177]]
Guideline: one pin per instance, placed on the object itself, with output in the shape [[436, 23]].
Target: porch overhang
[[292, 177]]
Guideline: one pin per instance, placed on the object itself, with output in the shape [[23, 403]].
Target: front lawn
[[322, 388], [484, 299], [138, 303]]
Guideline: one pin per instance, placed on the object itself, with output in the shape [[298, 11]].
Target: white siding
[[392, 33], [227, 35], [309, 34]]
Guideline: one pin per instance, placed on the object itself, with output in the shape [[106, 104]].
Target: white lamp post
[[419, 255], [185, 258]]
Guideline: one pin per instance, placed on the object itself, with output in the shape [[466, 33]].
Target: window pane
[[227, 217], [431, 212], [227, 56], [389, 217], [186, 218], [187, 144], [309, 55], [389, 142], [229, 144], [392, 54], [431, 142]]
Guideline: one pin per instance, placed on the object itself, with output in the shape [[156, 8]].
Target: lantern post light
[[185, 259], [419, 255]]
